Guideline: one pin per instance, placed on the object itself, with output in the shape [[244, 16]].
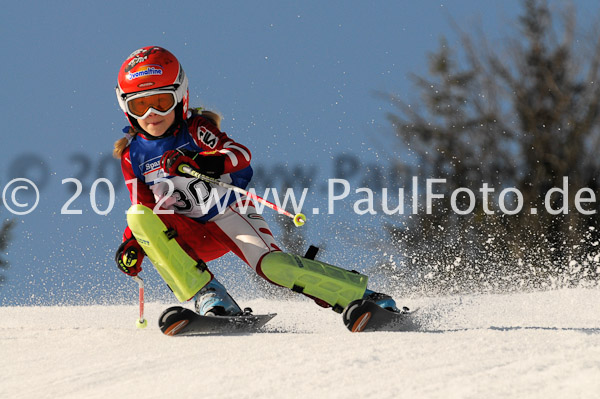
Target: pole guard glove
[[129, 257], [210, 164]]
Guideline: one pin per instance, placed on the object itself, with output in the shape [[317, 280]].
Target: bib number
[[197, 193]]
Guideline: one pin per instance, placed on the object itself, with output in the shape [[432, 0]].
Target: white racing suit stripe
[[248, 231]]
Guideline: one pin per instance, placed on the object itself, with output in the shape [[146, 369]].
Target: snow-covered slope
[[539, 345]]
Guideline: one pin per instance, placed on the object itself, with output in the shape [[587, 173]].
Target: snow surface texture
[[537, 345]]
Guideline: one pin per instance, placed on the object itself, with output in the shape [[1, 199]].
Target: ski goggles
[[160, 102]]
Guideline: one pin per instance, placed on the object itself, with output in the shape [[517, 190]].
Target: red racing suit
[[209, 220]]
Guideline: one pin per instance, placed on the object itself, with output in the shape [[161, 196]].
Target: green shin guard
[[334, 285], [184, 275]]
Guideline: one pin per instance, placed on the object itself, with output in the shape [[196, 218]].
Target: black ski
[[363, 315], [179, 321]]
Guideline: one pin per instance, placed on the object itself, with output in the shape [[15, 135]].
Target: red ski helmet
[[148, 71]]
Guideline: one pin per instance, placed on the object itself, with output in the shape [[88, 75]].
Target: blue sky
[[295, 82]]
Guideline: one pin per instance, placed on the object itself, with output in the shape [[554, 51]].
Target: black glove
[[129, 257], [211, 165]]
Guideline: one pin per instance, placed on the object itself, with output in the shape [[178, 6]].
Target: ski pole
[[299, 218], [141, 322]]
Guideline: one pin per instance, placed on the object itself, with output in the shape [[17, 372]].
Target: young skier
[[164, 134]]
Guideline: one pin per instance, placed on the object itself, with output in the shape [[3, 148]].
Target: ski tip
[[361, 322], [353, 319], [176, 327], [364, 315]]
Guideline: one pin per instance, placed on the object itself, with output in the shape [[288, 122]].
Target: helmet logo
[[134, 62], [140, 55], [148, 71]]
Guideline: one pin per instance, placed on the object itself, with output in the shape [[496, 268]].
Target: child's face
[[156, 125]]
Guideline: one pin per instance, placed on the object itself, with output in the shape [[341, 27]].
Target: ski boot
[[213, 300], [382, 300]]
